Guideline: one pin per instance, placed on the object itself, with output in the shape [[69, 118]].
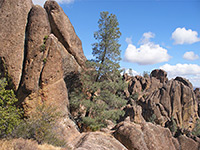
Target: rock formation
[[38, 62], [165, 100], [64, 31], [147, 136], [13, 16], [42, 56]]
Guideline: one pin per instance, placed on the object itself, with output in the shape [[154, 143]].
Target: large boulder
[[62, 28], [144, 136], [13, 21], [96, 141]]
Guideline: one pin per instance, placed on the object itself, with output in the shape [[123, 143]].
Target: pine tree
[[106, 50], [101, 93]]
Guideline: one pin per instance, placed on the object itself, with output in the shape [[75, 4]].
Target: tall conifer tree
[[106, 50]]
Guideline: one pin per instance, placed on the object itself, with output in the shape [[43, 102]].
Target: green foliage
[[106, 49], [45, 38], [152, 118], [40, 126], [101, 93], [10, 115], [44, 60], [135, 96], [196, 130], [173, 126], [43, 46]]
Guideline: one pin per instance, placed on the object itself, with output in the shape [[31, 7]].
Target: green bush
[[173, 126], [152, 118], [196, 130], [10, 115], [40, 126]]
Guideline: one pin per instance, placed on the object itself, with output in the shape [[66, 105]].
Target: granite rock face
[[64, 31], [14, 18]]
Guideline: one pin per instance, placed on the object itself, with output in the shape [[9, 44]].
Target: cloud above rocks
[[188, 71], [148, 53], [41, 2], [190, 56], [184, 36]]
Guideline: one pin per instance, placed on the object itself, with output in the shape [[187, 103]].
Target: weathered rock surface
[[64, 31], [197, 93], [165, 100], [13, 20], [38, 28], [96, 141], [159, 74], [187, 143], [145, 136], [52, 88]]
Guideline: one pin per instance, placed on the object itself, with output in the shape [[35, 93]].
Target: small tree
[[10, 115]]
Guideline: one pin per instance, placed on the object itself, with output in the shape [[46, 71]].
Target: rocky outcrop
[[187, 143], [13, 16], [96, 141], [38, 29], [64, 31], [159, 74], [165, 101], [40, 64], [197, 93], [145, 136], [148, 136]]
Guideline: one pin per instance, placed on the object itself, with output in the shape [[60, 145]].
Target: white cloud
[[148, 53], [146, 37], [41, 2], [183, 36], [190, 56], [188, 71]]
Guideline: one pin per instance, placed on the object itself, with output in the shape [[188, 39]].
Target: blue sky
[[155, 33]]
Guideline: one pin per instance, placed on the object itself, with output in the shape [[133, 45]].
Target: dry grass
[[22, 144]]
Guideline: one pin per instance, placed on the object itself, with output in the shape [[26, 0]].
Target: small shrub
[[196, 130], [43, 47], [10, 115], [44, 60], [40, 126], [45, 38], [135, 96], [173, 126], [152, 118]]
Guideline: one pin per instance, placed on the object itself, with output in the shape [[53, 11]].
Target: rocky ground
[[42, 55]]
